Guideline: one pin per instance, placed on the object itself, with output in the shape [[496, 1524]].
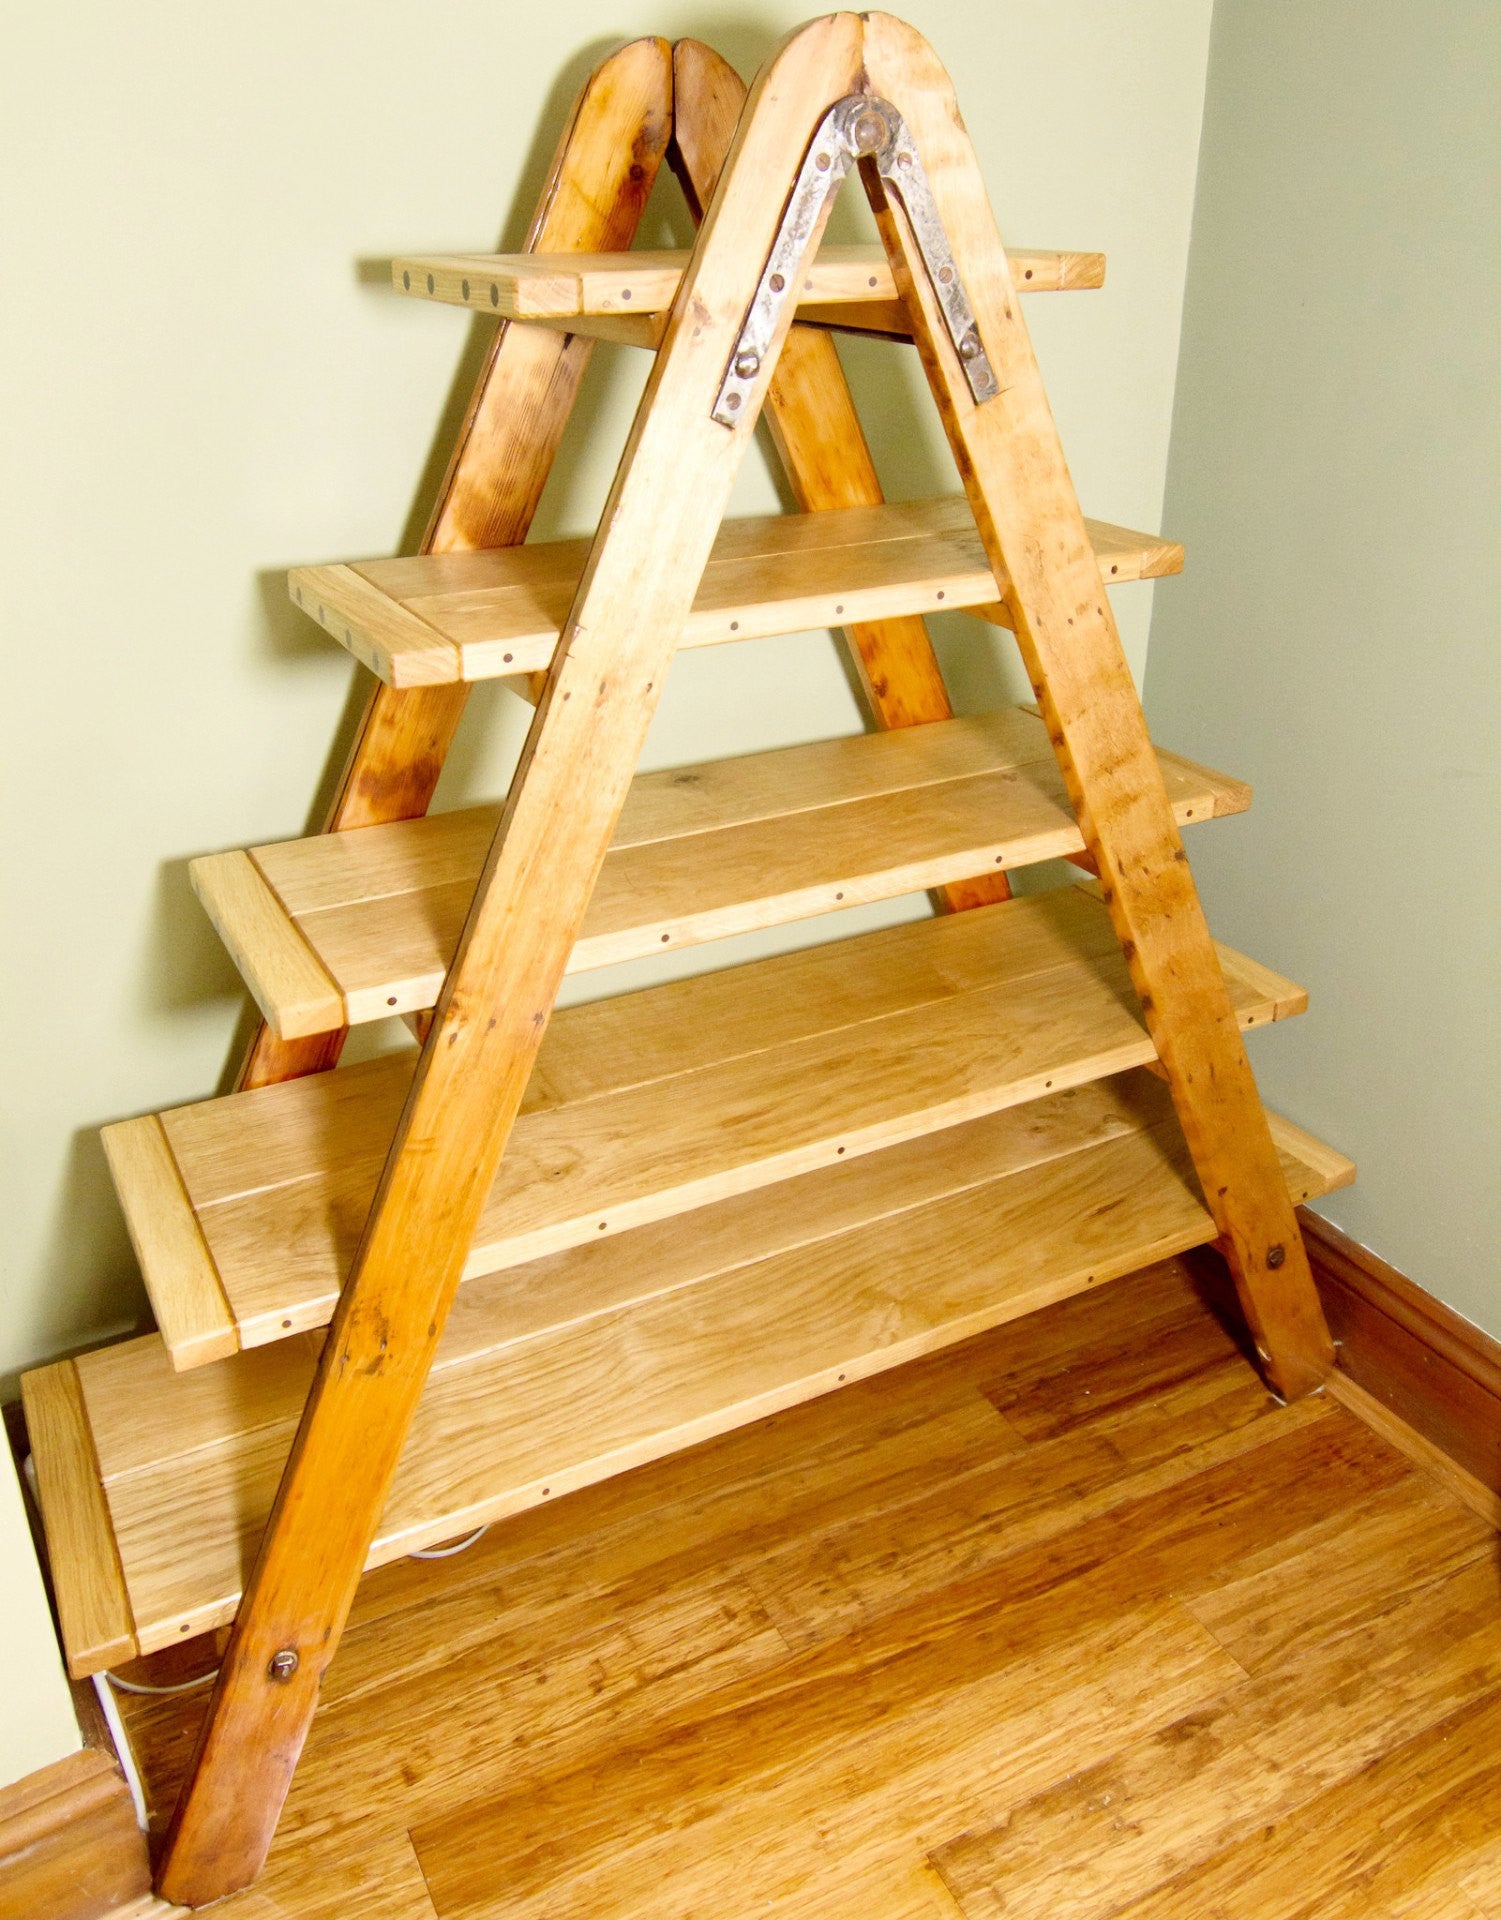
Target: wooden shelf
[[350, 927], [678, 1331], [846, 286], [430, 619], [246, 1211]]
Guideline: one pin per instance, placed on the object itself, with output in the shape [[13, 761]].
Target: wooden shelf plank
[[657, 1103], [644, 282], [700, 853], [93, 1610], [683, 1329], [430, 619]]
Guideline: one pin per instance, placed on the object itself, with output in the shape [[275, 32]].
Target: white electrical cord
[[456, 1546], [178, 1686], [121, 1739]]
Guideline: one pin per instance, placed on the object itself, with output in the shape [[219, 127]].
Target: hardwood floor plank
[[1405, 1823], [601, 1699], [1115, 1833], [714, 1811]]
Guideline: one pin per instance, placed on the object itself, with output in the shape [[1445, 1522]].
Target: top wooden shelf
[[845, 286]]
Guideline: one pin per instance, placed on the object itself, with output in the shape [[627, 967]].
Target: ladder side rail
[[596, 188], [1008, 452], [817, 434], [585, 739]]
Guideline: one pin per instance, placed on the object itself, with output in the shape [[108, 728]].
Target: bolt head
[[776, 282], [1275, 1256], [747, 365], [869, 132], [969, 347], [282, 1665]]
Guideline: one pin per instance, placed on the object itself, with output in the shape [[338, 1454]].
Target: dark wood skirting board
[[1434, 1371], [70, 1848]]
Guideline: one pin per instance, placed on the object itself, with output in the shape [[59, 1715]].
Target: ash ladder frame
[[875, 83]]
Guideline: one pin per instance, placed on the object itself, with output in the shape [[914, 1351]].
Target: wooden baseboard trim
[[1427, 1379], [70, 1848]]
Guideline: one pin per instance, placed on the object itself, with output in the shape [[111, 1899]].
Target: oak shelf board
[[434, 619], [643, 282], [682, 1329], [701, 853], [658, 1103]]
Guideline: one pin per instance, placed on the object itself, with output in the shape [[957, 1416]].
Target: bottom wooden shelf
[[156, 1484]]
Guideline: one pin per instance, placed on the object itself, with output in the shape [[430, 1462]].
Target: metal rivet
[[946, 276], [625, 293], [406, 281], [731, 401], [871, 281], [1275, 1256], [494, 295], [776, 283], [282, 1665], [904, 159], [747, 365], [429, 283], [969, 347], [466, 289], [870, 132]]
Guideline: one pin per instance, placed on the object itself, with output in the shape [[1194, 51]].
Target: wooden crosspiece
[[585, 864]]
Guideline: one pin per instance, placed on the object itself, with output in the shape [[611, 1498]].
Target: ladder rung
[[431, 618], [344, 928], [661, 1102], [565, 286], [677, 1331]]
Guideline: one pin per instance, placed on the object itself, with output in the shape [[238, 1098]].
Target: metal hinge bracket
[[860, 126]]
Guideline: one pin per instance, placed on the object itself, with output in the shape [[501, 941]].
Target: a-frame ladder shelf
[[677, 1331], [964, 1116], [847, 286], [431, 619], [350, 927], [647, 1105]]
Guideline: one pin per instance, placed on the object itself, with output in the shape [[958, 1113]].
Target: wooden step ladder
[[965, 1117]]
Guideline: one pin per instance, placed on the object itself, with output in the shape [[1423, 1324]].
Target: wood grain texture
[[638, 586], [667, 1100], [486, 615], [601, 176], [273, 957], [566, 286], [187, 1295], [88, 1585], [1018, 484], [600, 1717], [70, 1848], [685, 1330], [699, 853]]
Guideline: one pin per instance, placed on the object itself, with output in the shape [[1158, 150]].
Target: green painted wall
[[1336, 474]]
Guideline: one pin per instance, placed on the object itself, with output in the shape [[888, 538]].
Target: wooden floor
[[1073, 1621]]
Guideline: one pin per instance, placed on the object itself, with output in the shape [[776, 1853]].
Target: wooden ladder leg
[[1008, 452], [635, 595], [817, 433], [603, 170]]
